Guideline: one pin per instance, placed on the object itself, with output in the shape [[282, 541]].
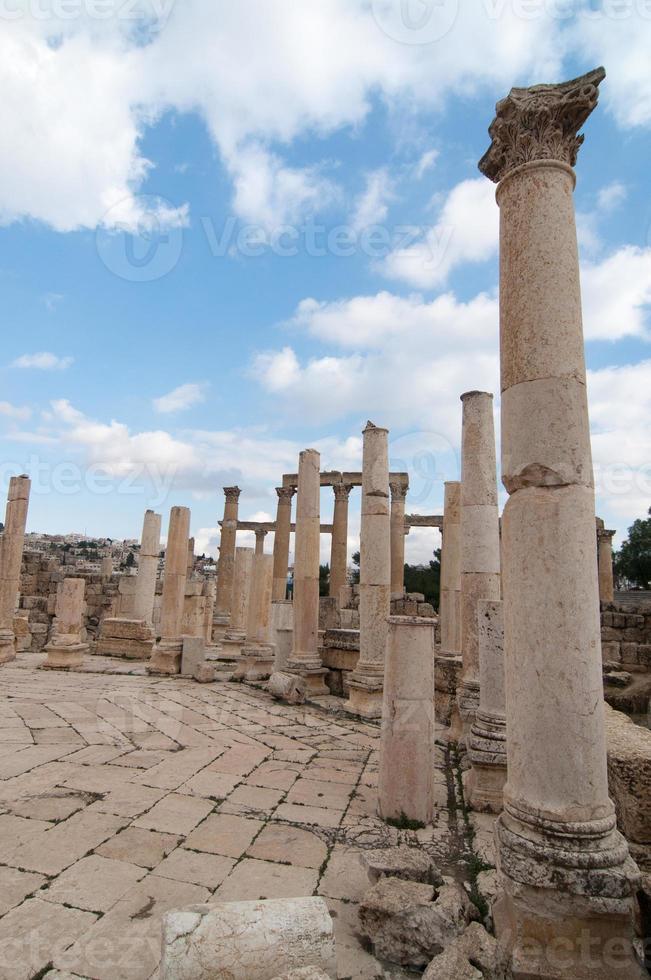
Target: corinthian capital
[[232, 492], [540, 123], [342, 490], [285, 493]]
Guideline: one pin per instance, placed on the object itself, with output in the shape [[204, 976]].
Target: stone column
[[260, 535], [282, 632], [406, 780], [398, 534], [484, 782], [166, 658], [190, 567], [226, 560], [11, 556], [339, 541], [65, 648], [605, 562], [106, 568], [375, 575], [305, 660], [147, 568], [450, 604], [210, 594], [257, 660], [281, 541], [480, 538], [565, 871], [235, 635]]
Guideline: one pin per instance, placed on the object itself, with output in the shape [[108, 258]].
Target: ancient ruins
[[227, 774]]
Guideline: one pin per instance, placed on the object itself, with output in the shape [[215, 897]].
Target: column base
[[468, 702], [166, 658], [220, 625], [484, 783], [259, 662], [365, 697], [556, 936], [231, 647], [129, 639], [565, 910], [7, 646], [64, 656], [314, 677]]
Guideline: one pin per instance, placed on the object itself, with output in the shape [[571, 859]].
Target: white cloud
[[181, 398], [15, 412], [611, 196], [467, 230], [425, 163], [372, 205], [616, 294], [405, 360], [43, 361], [260, 76]]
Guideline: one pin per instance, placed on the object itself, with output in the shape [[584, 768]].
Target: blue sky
[[158, 162]]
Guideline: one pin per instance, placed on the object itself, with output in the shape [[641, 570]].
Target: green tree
[[354, 578], [633, 560], [425, 579], [131, 560], [324, 580]]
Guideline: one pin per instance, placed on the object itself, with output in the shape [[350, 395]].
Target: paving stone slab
[[146, 848], [94, 884], [252, 880], [224, 834], [175, 814]]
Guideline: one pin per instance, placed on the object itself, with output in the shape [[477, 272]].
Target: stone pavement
[[123, 795]]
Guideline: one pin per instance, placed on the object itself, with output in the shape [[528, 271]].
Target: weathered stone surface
[[287, 687], [629, 775], [409, 922], [247, 940], [474, 954], [408, 863], [304, 973]]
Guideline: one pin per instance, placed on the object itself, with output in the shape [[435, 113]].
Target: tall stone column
[[235, 635], [605, 562], [406, 779], [480, 537], [166, 658], [305, 660], [339, 542], [66, 648], [398, 533], [450, 603], [260, 535], [375, 575], [190, 568], [131, 635], [257, 658], [281, 541], [484, 782], [11, 556], [226, 560], [565, 871], [147, 568]]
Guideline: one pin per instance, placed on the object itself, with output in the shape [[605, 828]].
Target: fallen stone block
[[629, 775], [407, 863], [287, 687], [204, 673], [248, 940], [618, 678], [474, 954], [410, 922], [194, 654]]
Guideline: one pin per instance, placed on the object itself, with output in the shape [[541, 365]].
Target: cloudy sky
[[229, 231]]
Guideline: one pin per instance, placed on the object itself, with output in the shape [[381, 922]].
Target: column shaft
[[281, 541], [305, 659], [450, 602], [65, 648], [227, 556], [480, 537], [339, 543], [398, 495], [605, 564], [166, 658], [147, 568], [375, 575], [11, 556]]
